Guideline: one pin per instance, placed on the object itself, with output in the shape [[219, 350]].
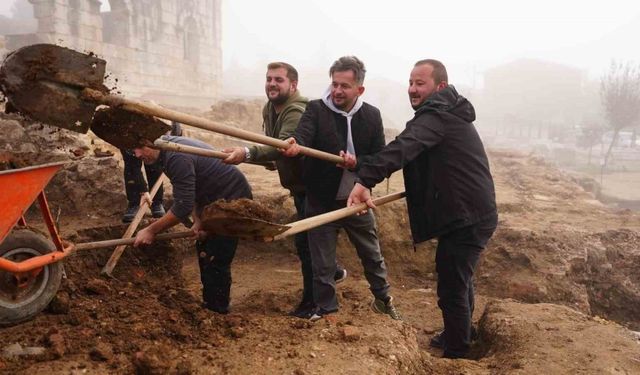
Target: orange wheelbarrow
[[30, 271]]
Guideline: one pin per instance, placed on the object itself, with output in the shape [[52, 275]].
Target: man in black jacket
[[339, 121], [450, 192]]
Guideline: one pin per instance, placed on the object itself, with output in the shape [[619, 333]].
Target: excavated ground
[[557, 288]]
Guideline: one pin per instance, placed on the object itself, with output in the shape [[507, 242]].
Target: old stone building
[[164, 50]]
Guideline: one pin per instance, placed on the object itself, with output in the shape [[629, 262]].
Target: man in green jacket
[[280, 119]]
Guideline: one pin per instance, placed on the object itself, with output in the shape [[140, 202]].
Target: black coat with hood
[[446, 170]]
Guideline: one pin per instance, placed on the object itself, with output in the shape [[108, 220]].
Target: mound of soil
[[243, 207]]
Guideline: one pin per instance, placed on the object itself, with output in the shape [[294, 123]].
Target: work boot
[[131, 212], [381, 307], [340, 276], [157, 209]]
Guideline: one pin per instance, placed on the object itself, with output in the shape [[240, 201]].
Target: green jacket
[[282, 127]]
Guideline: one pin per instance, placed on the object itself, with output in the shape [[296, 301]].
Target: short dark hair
[[292, 73], [352, 63], [439, 71]]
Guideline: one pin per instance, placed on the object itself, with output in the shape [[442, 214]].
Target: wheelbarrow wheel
[[24, 299]]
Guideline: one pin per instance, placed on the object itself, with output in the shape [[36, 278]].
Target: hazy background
[[468, 36]]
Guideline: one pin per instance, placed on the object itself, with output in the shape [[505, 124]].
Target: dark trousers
[[363, 234], [134, 183], [456, 257], [215, 255], [301, 241]]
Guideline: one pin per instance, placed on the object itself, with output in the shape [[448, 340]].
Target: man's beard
[[280, 99]]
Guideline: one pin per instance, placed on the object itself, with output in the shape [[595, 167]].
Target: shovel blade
[[242, 227], [125, 129], [43, 82]]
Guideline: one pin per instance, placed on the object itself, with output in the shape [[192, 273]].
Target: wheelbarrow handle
[[199, 122], [129, 241]]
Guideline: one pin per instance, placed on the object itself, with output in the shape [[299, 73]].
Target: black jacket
[[325, 130], [446, 170]]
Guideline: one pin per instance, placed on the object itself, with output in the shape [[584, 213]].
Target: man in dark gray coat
[[450, 192], [341, 121], [198, 181]]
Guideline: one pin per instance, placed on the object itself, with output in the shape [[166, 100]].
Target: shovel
[[265, 231], [62, 87]]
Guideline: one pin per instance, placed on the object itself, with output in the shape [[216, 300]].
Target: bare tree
[[590, 136], [620, 95]]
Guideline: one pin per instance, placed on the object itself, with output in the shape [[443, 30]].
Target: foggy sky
[[468, 36]]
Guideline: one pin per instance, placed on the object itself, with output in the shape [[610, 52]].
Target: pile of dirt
[[556, 288], [243, 207]]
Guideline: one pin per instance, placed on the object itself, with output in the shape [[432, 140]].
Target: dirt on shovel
[[243, 218], [125, 129]]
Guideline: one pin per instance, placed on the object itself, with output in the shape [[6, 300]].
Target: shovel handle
[[161, 144], [129, 241], [316, 221], [117, 253], [199, 122]]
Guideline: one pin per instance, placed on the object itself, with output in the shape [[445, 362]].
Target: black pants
[[301, 241], [456, 257], [134, 183], [215, 255]]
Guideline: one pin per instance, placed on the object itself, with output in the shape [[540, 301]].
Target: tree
[[590, 136], [620, 95]]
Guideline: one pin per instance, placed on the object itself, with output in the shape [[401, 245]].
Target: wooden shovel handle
[[117, 253], [316, 221], [199, 122], [129, 241]]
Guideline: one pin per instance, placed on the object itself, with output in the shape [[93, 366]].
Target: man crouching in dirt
[[198, 181], [450, 192]]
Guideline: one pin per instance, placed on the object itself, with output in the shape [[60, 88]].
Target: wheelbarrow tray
[[20, 187]]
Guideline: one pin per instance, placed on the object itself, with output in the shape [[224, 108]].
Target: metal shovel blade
[[43, 82], [241, 227], [125, 129]]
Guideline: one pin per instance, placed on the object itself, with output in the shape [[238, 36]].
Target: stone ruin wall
[[163, 50]]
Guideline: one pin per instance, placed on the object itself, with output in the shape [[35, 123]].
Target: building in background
[[168, 51]]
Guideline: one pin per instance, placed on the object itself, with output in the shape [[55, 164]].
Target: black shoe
[[224, 310], [437, 341], [340, 276], [130, 214], [157, 209], [319, 313], [304, 310]]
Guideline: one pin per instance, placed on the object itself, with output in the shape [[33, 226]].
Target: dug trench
[[557, 290]]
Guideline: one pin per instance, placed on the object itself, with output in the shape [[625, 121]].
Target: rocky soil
[[557, 289]]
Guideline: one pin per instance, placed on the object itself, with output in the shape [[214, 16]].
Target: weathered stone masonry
[[165, 50]]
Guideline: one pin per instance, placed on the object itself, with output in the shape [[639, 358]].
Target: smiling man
[[280, 116], [450, 192], [341, 121]]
